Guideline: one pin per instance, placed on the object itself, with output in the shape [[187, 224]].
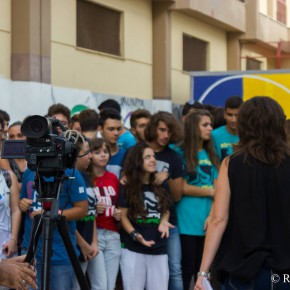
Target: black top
[[258, 230], [147, 227], [170, 161], [85, 226]]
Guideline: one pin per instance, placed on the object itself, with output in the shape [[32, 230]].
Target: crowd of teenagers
[[163, 205]]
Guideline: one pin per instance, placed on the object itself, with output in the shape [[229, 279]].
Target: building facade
[[141, 49]]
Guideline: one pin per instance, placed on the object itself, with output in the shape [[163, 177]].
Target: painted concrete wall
[[129, 75], [217, 51], [263, 6], [288, 12], [269, 8], [5, 38], [32, 98], [249, 50]]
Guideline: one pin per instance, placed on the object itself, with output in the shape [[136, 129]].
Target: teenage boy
[[59, 112], [162, 130], [139, 121], [89, 122], [225, 136], [110, 129]]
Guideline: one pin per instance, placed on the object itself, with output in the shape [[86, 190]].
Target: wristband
[[203, 274], [134, 235]]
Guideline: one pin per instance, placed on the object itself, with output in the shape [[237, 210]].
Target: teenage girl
[[106, 188], [86, 227], [201, 164], [144, 206]]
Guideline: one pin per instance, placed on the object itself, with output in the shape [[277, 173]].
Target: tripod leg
[[47, 250], [63, 231], [35, 233], [41, 223]]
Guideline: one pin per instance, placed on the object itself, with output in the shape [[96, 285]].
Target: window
[[98, 28], [252, 64], [194, 54], [282, 11]]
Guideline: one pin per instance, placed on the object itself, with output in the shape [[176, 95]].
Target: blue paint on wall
[[218, 95]]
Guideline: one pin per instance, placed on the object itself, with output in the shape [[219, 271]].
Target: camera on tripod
[[48, 151], [51, 152]]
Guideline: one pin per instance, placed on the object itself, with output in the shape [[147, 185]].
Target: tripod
[[46, 223]]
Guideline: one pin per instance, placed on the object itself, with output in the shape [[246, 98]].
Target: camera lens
[[36, 126]]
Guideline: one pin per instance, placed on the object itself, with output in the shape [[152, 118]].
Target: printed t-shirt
[[192, 211], [223, 142], [147, 227], [73, 190], [106, 190]]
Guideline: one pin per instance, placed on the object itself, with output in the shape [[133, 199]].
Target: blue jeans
[[174, 260], [263, 281], [60, 277], [89, 267], [106, 263]]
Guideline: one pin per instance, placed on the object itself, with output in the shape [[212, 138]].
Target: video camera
[[47, 149]]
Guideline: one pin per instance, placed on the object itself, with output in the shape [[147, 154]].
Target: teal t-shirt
[[223, 141], [126, 140], [192, 211]]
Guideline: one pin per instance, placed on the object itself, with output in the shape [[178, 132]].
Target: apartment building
[[139, 48]]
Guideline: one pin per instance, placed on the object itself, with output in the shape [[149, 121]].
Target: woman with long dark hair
[[193, 209], [250, 221], [144, 218]]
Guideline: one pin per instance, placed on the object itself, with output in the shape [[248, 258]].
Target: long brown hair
[[170, 120], [134, 172], [262, 131], [192, 140]]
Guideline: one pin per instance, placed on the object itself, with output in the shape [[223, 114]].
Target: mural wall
[[21, 99], [215, 88]]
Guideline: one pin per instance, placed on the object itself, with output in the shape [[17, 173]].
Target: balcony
[[265, 31], [271, 31], [228, 15]]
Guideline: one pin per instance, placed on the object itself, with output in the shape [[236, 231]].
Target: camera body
[[50, 153], [47, 151]]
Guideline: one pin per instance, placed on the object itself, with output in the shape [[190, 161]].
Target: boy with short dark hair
[[110, 129], [225, 136]]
